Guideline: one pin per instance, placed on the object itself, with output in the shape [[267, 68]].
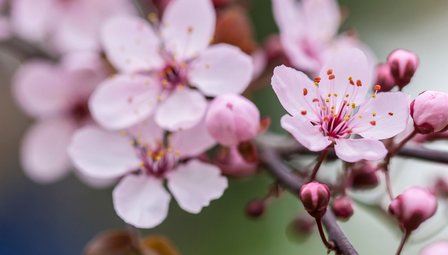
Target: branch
[[290, 181]]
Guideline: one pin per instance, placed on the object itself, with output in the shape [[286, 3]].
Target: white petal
[[192, 142], [353, 150], [187, 27], [124, 100], [131, 44], [147, 132], [210, 71], [141, 201], [102, 154], [195, 184], [44, 150], [181, 110], [305, 133]]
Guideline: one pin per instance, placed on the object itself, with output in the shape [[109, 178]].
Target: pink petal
[[131, 44], [289, 16], [210, 71], [147, 132], [391, 112], [295, 91], [327, 24], [347, 63], [192, 142], [305, 133], [181, 110], [102, 154], [42, 89], [123, 101], [188, 27], [302, 54], [353, 150], [32, 19], [44, 150], [195, 184], [141, 201]]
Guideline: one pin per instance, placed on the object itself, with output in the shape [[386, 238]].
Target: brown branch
[[25, 50], [283, 174]]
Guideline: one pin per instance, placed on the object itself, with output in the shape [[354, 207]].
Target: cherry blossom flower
[[308, 32], [145, 162], [161, 65], [66, 25], [335, 107], [56, 95]]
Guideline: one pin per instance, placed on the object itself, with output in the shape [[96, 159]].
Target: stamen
[[373, 123], [305, 92]]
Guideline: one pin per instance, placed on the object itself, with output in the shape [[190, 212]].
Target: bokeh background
[[61, 218]]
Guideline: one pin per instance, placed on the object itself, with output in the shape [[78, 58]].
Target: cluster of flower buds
[[413, 207], [398, 71]]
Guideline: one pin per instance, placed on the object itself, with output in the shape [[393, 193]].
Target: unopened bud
[[437, 248], [430, 112], [413, 207], [384, 77], [315, 197], [255, 208], [403, 65], [441, 187], [232, 119], [364, 176], [343, 207], [233, 163]]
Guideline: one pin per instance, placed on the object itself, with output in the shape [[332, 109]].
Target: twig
[[293, 183]]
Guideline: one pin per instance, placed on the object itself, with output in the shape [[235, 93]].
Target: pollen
[[305, 92], [335, 94], [315, 100], [347, 95], [374, 114], [190, 29], [303, 112], [329, 71], [152, 17], [331, 77], [317, 79], [353, 105], [391, 114], [358, 83], [373, 123], [326, 119], [327, 100], [377, 87]]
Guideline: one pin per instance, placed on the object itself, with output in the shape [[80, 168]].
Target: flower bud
[[430, 112], [364, 176], [403, 65], [255, 208], [315, 197], [232, 119], [384, 77], [441, 187], [437, 248], [413, 207], [343, 207], [233, 163]]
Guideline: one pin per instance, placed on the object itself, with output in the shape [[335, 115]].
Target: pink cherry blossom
[[56, 95], [308, 32], [160, 65], [335, 107], [145, 162], [66, 25]]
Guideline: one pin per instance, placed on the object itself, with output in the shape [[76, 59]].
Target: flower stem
[[330, 245], [400, 145], [319, 162], [405, 237]]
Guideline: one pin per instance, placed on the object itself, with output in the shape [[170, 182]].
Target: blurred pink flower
[[159, 65], [145, 162], [56, 95], [437, 248], [65, 25], [335, 106], [308, 32]]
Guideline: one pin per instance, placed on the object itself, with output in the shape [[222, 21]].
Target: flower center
[[157, 162], [80, 111], [172, 76]]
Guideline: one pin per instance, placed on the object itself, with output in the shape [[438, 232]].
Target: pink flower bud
[[413, 207], [384, 77], [255, 208], [233, 163], [403, 65], [232, 119], [364, 176], [343, 207], [441, 187], [315, 197], [437, 248], [430, 112]]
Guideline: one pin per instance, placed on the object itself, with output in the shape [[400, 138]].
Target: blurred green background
[[61, 218]]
